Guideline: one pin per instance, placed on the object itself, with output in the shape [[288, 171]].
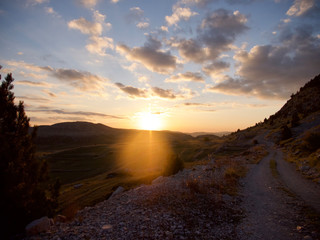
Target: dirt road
[[273, 200]]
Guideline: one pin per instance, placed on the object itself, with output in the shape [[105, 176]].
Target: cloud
[[114, 1], [275, 71], [33, 98], [98, 45], [204, 3], [300, 7], [216, 68], [24, 65], [78, 113], [186, 77], [178, 14], [192, 104], [34, 84], [81, 80], [222, 26], [51, 94], [164, 28], [51, 11], [86, 27], [36, 2], [216, 34], [33, 75], [88, 3], [151, 56], [192, 50], [132, 91], [169, 94], [142, 25], [163, 93], [136, 15]]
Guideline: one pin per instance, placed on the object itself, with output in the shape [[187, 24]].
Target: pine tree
[[22, 199]]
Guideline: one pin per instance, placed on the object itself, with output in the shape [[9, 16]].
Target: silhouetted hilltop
[[83, 133], [75, 129]]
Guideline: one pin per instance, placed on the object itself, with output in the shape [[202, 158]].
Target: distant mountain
[[75, 129], [84, 133], [219, 134]]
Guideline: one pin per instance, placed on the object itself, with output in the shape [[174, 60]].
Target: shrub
[[295, 120], [285, 133], [312, 141]]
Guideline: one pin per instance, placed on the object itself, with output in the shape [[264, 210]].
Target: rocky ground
[[203, 203], [189, 205]]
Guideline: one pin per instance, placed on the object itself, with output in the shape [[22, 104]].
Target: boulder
[[38, 226], [117, 191], [60, 219], [76, 186], [158, 180]]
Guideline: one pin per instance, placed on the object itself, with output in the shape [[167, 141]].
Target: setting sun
[[150, 121]]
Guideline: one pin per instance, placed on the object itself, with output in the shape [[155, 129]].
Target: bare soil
[[277, 201]]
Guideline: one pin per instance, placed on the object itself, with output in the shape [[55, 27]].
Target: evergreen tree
[[22, 200]]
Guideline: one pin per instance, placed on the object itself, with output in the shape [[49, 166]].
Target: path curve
[[272, 213], [307, 190]]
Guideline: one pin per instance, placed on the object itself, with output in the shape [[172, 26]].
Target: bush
[[286, 133], [312, 141], [295, 120], [173, 165]]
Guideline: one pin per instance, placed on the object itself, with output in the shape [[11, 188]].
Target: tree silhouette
[[22, 199]]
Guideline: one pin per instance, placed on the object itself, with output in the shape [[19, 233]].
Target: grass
[[89, 174]]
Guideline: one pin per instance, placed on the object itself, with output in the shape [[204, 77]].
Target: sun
[[150, 121]]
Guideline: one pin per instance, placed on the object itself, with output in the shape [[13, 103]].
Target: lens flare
[[145, 152]]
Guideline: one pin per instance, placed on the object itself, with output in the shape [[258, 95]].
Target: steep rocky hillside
[[305, 102]]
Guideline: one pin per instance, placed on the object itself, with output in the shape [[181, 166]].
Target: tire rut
[[272, 213]]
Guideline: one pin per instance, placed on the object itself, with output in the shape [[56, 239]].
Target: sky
[[184, 65]]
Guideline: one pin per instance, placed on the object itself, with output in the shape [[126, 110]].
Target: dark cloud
[[215, 68], [77, 113], [132, 91], [192, 104], [163, 93], [33, 98], [79, 79], [31, 83], [186, 77], [220, 29], [51, 94], [276, 71], [192, 50], [205, 3], [216, 34], [151, 56]]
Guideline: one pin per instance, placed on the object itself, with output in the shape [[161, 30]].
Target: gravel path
[[307, 190], [272, 211]]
